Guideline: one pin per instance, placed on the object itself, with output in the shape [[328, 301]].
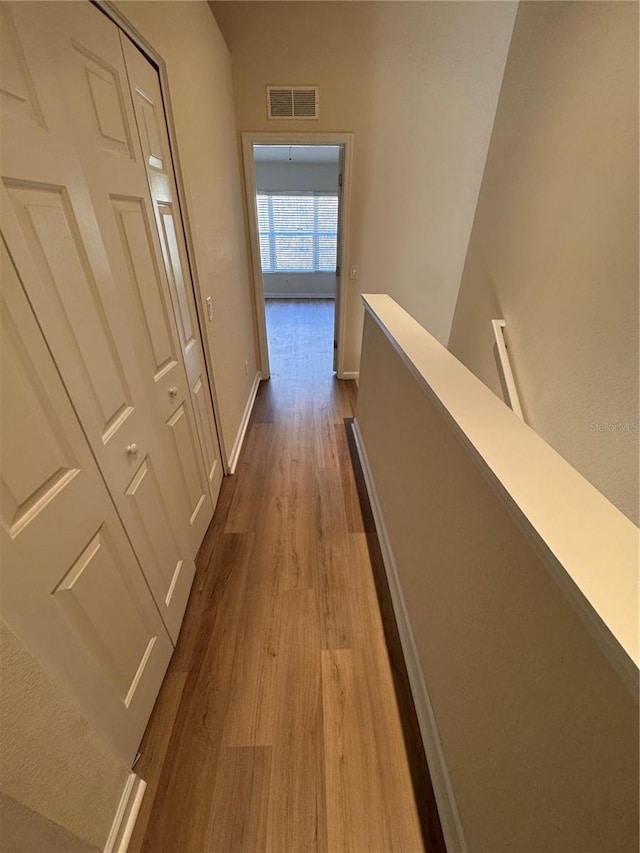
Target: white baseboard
[[299, 296], [350, 374], [126, 815], [244, 423], [447, 808]]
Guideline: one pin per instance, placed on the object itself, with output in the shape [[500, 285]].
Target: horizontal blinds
[[298, 232]]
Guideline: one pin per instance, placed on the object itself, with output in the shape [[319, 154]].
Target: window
[[298, 232]]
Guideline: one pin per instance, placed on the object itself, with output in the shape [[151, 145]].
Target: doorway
[[297, 188]]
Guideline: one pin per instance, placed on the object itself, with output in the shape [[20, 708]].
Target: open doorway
[[296, 190], [297, 203]]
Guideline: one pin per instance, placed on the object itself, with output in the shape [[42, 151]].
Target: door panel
[[81, 227], [206, 429], [71, 587], [154, 140], [160, 547], [17, 94], [92, 591], [186, 320], [69, 288], [150, 136], [120, 195], [29, 481], [186, 447], [147, 284], [165, 373], [106, 97]]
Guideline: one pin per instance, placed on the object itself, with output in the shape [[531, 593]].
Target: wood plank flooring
[[277, 728]]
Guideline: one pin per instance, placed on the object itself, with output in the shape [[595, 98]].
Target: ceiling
[[296, 153]]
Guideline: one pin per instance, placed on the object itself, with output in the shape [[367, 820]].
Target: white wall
[[298, 177], [418, 84], [554, 248], [187, 37]]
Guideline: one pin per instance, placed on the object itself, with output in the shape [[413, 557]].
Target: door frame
[[120, 20], [283, 138]]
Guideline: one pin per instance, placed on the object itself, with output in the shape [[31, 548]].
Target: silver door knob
[[173, 391], [132, 449]]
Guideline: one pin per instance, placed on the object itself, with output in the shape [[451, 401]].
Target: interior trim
[[126, 815], [244, 423]]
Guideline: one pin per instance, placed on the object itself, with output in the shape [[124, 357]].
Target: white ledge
[[590, 546]]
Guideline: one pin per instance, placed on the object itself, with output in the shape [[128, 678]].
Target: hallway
[[277, 727]]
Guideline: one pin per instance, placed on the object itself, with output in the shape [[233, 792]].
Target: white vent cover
[[292, 101]]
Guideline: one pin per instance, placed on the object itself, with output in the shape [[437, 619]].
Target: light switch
[[209, 308], [353, 272]]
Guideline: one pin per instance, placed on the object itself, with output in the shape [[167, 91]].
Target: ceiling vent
[[292, 102]]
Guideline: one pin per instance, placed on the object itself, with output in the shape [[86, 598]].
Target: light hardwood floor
[[277, 728]]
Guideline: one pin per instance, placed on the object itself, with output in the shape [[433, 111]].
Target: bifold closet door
[[80, 224], [96, 84], [154, 139], [71, 587]]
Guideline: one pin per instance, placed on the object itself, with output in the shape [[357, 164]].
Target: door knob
[[132, 449], [173, 391]]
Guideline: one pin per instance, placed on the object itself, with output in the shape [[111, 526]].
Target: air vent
[[292, 102]]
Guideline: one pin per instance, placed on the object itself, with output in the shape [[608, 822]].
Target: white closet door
[[147, 102], [71, 587], [120, 193], [80, 224]]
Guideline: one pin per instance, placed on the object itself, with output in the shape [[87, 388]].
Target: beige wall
[[187, 37], [418, 83], [554, 248], [538, 731], [25, 831], [54, 769]]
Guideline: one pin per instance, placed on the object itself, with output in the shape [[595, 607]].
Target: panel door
[[71, 587], [152, 130], [81, 226], [118, 184]]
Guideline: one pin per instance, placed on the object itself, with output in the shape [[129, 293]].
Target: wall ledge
[[589, 546]]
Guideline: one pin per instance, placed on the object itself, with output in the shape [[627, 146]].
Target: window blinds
[[298, 232]]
